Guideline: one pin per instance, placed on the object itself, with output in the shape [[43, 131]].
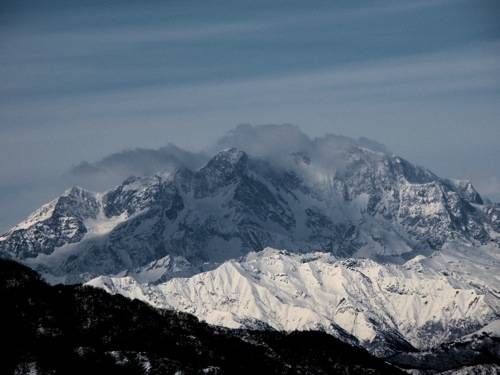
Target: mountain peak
[[76, 191], [231, 155], [222, 170], [225, 162]]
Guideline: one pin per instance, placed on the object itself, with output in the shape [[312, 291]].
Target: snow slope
[[423, 302]]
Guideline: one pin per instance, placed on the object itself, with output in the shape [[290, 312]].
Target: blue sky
[[83, 79]]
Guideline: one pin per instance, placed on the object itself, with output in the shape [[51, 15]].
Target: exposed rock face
[[55, 224]]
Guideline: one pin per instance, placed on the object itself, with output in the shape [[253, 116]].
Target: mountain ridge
[[367, 203], [389, 308]]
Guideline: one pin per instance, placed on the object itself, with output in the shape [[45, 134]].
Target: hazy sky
[[82, 79]]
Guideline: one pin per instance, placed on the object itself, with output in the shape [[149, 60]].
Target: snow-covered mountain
[[379, 251], [332, 194], [421, 303]]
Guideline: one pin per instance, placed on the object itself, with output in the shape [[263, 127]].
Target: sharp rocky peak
[[77, 192], [227, 160]]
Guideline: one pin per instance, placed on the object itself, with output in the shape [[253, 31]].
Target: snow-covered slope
[[423, 302]]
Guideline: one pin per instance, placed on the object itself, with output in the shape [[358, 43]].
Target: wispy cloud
[[489, 187], [457, 70]]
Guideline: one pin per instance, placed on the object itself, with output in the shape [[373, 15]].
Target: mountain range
[[385, 308], [373, 249]]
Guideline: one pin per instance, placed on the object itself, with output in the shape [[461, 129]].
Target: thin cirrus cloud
[[412, 76], [128, 51]]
